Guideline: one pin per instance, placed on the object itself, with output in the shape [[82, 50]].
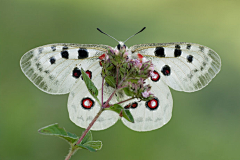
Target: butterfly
[[56, 69]]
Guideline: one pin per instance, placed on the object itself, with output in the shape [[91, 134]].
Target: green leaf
[[127, 91], [94, 144], [88, 143], [129, 115], [86, 147], [133, 80], [87, 138], [110, 67], [114, 62], [120, 110], [111, 81], [90, 85], [55, 130]]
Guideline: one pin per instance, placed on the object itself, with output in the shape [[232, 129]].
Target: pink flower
[[116, 52], [144, 60], [151, 68], [125, 54], [106, 57], [146, 94], [111, 50], [137, 63]]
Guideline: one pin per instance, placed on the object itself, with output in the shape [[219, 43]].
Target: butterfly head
[[121, 45]]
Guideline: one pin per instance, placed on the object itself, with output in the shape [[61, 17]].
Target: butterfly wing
[[182, 66], [152, 114], [54, 68], [82, 107]]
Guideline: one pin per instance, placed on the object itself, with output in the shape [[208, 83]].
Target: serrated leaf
[[87, 138], [121, 111], [55, 130], [110, 81], [94, 144], [86, 147]]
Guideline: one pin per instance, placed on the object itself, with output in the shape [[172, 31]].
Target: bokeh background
[[205, 124]]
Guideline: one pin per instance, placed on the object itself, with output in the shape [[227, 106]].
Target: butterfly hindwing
[[82, 107], [54, 69], [153, 114], [182, 66]]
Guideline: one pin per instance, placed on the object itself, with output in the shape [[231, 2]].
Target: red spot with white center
[[152, 104], [155, 76], [102, 56], [87, 103]]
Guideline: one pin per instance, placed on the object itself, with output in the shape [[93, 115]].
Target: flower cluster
[[127, 72]]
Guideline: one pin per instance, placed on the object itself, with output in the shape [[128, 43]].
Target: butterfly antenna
[[135, 34], [107, 35]]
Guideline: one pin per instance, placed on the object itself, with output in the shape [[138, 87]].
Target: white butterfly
[[55, 69]]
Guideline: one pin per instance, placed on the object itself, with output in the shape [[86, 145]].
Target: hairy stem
[[117, 76], [102, 89], [106, 104], [71, 152], [123, 87], [89, 126]]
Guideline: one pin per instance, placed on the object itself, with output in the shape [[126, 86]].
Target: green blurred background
[[205, 124]]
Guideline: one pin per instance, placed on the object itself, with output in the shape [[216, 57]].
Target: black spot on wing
[[65, 54], [76, 73], [159, 52], [188, 46], [201, 48], [40, 49], [82, 53], [166, 71], [131, 105], [190, 58], [177, 52], [65, 47], [134, 105], [53, 48], [52, 60], [177, 46]]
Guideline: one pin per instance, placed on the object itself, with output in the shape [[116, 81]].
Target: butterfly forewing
[[54, 68], [183, 66]]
